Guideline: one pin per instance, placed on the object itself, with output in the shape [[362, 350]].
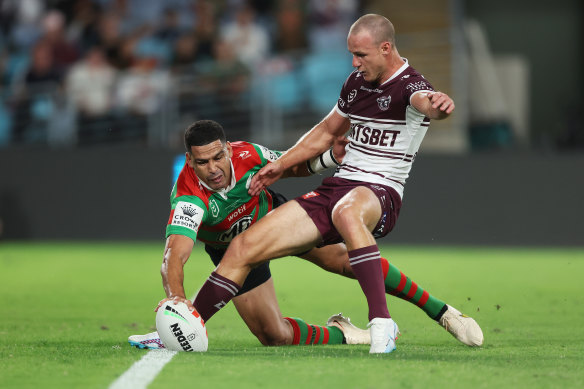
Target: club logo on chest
[[383, 102]]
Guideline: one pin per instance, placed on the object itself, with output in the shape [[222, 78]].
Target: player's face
[[369, 58], [212, 163]]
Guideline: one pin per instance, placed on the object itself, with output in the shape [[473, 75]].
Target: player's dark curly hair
[[203, 132]]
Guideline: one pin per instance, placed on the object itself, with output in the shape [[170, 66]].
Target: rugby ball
[[180, 329]]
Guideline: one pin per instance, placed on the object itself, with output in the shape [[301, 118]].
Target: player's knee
[[270, 336], [235, 254], [345, 218], [240, 253]]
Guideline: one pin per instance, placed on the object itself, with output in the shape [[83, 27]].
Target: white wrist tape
[[324, 161]]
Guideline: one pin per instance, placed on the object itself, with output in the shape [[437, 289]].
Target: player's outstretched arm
[[176, 254], [320, 138], [435, 105]]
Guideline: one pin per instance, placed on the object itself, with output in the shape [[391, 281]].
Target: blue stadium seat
[[16, 65], [283, 90], [286, 90], [5, 125], [324, 74], [151, 47]]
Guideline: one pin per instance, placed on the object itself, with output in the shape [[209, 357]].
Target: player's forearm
[[436, 114], [173, 276], [311, 145], [434, 105]]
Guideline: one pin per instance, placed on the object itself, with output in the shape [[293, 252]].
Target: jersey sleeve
[[186, 216], [266, 155], [415, 84], [342, 106]]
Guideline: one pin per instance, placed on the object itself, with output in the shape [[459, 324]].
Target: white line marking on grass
[[143, 372]]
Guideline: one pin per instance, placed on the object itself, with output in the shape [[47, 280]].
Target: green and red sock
[[399, 285], [313, 334]]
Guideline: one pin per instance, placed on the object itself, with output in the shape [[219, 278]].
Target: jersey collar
[[398, 71]]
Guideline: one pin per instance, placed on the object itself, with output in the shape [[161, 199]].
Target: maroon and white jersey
[[386, 130]]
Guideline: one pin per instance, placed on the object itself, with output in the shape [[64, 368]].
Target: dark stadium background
[[492, 175]]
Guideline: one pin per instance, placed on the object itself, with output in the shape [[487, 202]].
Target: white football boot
[[352, 334], [149, 341], [462, 327], [384, 333]]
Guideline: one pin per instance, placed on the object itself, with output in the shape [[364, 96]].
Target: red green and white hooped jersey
[[216, 217]]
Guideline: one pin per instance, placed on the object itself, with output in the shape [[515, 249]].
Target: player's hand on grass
[[265, 177], [176, 300]]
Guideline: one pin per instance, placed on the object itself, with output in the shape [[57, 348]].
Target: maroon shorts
[[320, 202]]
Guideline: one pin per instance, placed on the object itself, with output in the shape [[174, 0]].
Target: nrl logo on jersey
[[383, 102], [352, 95], [214, 207]]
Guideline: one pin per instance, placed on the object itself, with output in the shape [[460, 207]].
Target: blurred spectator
[[205, 28], [185, 52], [111, 39], [291, 27], [247, 37], [224, 87], [20, 21], [143, 88], [141, 92], [83, 27], [170, 29], [329, 21], [33, 99], [65, 53], [90, 84], [43, 68]]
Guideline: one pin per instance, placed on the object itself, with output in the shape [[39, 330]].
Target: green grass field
[[67, 310]]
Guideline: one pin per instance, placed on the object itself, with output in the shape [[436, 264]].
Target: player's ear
[[189, 159], [386, 48], [229, 149]]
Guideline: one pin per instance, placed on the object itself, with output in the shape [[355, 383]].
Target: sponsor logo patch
[[310, 194], [376, 90], [268, 154], [187, 215], [418, 85], [181, 338], [244, 154], [236, 228]]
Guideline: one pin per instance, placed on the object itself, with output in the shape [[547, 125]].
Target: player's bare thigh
[[355, 215], [286, 230], [260, 311]]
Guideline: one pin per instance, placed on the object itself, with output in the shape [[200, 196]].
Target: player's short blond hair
[[380, 28]]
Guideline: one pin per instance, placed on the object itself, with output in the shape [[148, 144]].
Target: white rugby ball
[[180, 329]]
